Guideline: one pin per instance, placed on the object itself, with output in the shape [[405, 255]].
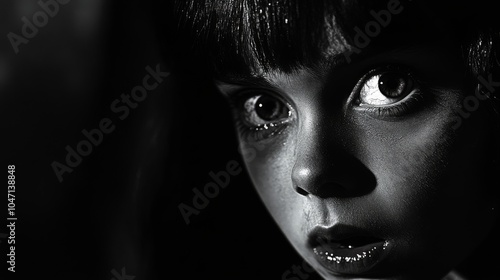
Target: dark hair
[[245, 35], [240, 37]]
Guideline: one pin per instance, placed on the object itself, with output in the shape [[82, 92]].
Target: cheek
[[427, 183], [270, 168]]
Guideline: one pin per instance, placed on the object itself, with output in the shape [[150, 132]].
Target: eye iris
[[268, 109], [392, 85]]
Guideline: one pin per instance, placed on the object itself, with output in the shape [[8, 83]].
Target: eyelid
[[376, 71], [241, 93], [261, 132]]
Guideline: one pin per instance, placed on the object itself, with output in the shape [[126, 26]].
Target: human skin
[[405, 177]]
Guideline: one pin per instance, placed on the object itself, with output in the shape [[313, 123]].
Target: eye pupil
[[392, 84], [267, 108]]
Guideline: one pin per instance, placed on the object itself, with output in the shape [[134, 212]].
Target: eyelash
[[258, 133], [408, 104], [399, 109]]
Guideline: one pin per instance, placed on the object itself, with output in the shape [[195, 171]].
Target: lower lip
[[358, 260]]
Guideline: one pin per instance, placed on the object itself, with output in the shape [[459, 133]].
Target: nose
[[325, 165]]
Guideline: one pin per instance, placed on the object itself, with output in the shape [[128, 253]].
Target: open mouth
[[347, 250]]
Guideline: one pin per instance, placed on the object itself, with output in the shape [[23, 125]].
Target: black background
[[119, 207]]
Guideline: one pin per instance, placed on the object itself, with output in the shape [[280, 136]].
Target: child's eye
[[261, 110], [389, 92], [260, 115], [385, 89]]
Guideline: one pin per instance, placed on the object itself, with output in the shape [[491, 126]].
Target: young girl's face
[[364, 166]]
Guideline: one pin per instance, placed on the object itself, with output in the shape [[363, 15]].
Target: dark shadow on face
[[356, 148], [318, 175]]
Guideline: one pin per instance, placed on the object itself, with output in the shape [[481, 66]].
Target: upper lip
[[337, 234]]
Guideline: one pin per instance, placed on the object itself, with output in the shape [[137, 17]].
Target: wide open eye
[[385, 88], [264, 110]]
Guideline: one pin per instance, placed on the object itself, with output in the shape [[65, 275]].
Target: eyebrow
[[319, 70], [260, 80]]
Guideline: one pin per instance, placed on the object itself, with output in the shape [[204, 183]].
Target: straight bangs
[[241, 38], [251, 37]]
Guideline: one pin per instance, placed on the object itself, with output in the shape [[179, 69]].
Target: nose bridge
[[311, 136], [312, 148]]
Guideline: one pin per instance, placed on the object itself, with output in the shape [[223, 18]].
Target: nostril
[[327, 174], [301, 191]]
